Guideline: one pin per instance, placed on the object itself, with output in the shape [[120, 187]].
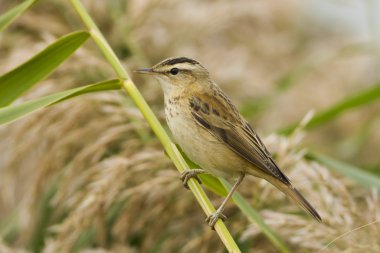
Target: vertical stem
[[152, 120]]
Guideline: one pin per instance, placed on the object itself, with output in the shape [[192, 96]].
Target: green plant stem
[[152, 120]]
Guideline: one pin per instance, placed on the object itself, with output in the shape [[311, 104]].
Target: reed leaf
[[359, 175], [11, 113], [7, 18], [254, 217], [361, 99], [14, 83], [222, 187]]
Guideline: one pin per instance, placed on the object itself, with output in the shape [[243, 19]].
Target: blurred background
[[88, 175]]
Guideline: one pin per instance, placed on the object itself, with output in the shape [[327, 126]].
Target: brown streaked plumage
[[211, 131]]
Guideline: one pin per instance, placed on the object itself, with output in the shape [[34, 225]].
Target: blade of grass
[[213, 184], [222, 187], [359, 175], [45, 212], [255, 217], [7, 18], [363, 98], [154, 123], [11, 113], [85, 239], [17, 81], [9, 226]]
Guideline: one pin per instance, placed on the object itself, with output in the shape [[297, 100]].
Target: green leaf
[[363, 98], [359, 175], [213, 184], [17, 81], [254, 217], [222, 187], [11, 113], [8, 17], [42, 220], [9, 226]]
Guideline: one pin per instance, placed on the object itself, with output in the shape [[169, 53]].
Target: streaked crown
[[174, 66]]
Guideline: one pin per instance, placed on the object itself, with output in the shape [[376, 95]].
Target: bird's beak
[[145, 71]]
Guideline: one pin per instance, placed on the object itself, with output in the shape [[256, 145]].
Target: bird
[[213, 134]]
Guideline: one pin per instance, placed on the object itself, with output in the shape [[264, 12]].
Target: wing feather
[[223, 121]]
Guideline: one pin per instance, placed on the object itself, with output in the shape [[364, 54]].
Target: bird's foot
[[187, 174], [213, 218]]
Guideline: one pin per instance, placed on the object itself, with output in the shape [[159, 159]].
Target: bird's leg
[[187, 174], [213, 218]]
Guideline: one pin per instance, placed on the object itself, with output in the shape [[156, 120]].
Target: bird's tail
[[294, 194]]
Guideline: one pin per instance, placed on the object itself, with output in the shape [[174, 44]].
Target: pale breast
[[199, 144]]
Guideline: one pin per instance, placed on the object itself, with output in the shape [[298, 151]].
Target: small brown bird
[[212, 133]]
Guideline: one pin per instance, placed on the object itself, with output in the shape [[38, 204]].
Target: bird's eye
[[174, 71]]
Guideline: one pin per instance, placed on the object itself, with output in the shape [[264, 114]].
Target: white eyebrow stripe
[[183, 65]]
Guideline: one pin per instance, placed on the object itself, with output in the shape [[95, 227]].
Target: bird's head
[[177, 73]]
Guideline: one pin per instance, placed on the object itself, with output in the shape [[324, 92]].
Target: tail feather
[[294, 194]]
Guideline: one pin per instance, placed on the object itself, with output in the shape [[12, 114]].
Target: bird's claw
[[187, 174], [213, 218]]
